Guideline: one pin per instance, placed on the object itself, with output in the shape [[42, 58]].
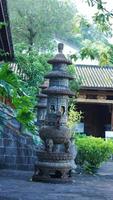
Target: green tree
[[99, 51], [31, 68], [103, 16], [95, 37], [86, 30], [38, 22]]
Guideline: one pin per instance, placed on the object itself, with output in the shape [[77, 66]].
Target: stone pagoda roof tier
[[59, 74], [41, 95], [58, 91], [43, 86], [60, 58], [40, 105]]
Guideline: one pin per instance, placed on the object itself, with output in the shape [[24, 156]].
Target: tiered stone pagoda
[[55, 158], [41, 105]]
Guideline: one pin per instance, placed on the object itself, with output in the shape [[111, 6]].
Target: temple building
[[95, 99], [6, 47]]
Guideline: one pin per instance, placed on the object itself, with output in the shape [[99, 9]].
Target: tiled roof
[[95, 77]]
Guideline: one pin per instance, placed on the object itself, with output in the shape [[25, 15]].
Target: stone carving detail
[[67, 145], [49, 145], [58, 120]]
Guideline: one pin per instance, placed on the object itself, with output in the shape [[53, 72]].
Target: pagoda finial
[[60, 47]]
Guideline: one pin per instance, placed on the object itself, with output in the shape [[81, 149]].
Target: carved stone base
[[50, 169], [37, 178]]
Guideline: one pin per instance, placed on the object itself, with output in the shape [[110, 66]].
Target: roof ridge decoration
[[94, 66], [60, 58]]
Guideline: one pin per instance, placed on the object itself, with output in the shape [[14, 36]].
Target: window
[[62, 110], [52, 108]]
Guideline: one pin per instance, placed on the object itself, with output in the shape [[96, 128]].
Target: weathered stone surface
[[10, 151], [17, 151], [2, 150], [55, 133], [2, 159], [1, 142]]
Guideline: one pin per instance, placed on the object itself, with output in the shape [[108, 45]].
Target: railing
[[17, 70]]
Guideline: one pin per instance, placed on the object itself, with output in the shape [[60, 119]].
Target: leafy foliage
[[24, 111], [103, 16], [2, 25], [37, 23], [93, 42], [33, 66], [92, 152], [73, 116], [99, 51], [86, 30], [8, 81], [10, 86], [75, 83]]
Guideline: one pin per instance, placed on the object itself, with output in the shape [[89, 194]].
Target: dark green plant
[[9, 82], [92, 152], [10, 87], [75, 83], [32, 67]]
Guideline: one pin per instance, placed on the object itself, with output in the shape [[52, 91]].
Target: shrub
[[73, 116], [92, 152]]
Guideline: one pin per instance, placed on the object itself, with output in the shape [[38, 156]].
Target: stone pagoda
[[55, 158], [41, 105]]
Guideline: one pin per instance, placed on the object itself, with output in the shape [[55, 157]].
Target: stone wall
[[17, 151]]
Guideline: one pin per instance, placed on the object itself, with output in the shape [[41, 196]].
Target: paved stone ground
[[106, 169], [16, 185]]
